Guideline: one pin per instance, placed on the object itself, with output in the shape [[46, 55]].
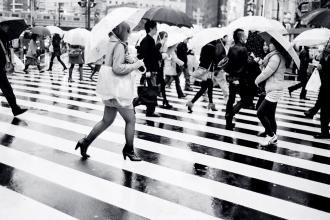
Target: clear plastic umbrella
[[55, 30], [40, 30], [313, 37], [175, 38], [77, 36], [206, 36]]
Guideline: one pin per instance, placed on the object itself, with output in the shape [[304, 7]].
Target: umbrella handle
[[144, 67]]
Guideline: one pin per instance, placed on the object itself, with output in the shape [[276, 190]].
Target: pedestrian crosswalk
[[192, 168]]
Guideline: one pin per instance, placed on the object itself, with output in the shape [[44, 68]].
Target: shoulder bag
[[201, 73]]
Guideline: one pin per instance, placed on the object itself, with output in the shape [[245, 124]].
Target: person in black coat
[[56, 42], [148, 53], [182, 53], [5, 86]]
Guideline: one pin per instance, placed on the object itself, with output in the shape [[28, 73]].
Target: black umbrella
[[16, 26], [306, 18], [321, 19], [168, 16]]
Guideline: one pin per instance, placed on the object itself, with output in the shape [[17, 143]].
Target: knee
[[260, 113]]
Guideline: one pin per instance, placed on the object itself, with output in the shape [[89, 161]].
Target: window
[[146, 5], [109, 2], [140, 4], [46, 17], [0, 14], [116, 2], [14, 15], [76, 19]]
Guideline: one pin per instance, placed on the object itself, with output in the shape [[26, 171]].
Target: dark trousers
[[313, 111], [302, 85], [177, 83], [59, 60], [266, 115], [325, 108], [151, 82], [7, 91], [161, 82], [260, 100], [205, 85], [241, 89]]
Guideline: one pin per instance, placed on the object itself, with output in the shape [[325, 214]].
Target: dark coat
[[304, 61], [56, 42], [238, 58], [148, 53], [182, 53], [220, 53], [207, 56], [3, 38]]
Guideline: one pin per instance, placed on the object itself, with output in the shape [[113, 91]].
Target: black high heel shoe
[[130, 154], [83, 148], [70, 80], [166, 105]]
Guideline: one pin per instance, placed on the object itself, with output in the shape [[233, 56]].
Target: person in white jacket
[[273, 76], [170, 69]]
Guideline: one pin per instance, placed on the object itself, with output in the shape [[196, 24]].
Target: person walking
[[219, 73], [171, 71], [5, 86], [236, 68], [32, 54], [304, 61], [207, 62], [161, 48], [121, 64], [273, 75], [182, 53], [56, 43], [76, 57], [148, 53], [97, 68]]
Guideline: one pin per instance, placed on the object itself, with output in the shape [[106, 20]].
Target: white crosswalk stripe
[[192, 168]]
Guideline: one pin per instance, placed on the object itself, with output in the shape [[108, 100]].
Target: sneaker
[[270, 141]]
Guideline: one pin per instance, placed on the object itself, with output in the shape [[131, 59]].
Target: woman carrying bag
[[56, 47], [32, 55], [120, 65], [76, 57], [273, 75]]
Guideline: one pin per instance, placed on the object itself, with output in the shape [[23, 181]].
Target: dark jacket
[[325, 72], [220, 53], [3, 38], [207, 56], [238, 57], [148, 53], [304, 61], [182, 53]]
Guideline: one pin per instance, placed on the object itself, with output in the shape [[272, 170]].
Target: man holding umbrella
[[5, 86]]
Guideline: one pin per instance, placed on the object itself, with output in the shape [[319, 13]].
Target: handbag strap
[[4, 50], [210, 66]]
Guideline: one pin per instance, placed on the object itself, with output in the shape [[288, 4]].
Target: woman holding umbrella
[[273, 75], [32, 55], [76, 57], [56, 42]]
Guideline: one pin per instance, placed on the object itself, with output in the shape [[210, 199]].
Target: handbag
[[201, 73], [113, 86], [148, 95], [9, 67], [314, 82], [74, 52]]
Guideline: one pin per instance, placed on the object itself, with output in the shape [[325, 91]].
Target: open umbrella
[[16, 26], [253, 23], [175, 38], [206, 36], [40, 30], [267, 35], [168, 16], [55, 30], [99, 35], [278, 26], [313, 37], [306, 18], [77, 36], [321, 19]]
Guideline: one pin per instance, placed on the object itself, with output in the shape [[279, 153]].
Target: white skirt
[[274, 96]]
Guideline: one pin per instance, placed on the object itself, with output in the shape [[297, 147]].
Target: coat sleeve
[[118, 66], [270, 69], [176, 60]]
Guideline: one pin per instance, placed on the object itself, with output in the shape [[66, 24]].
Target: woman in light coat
[[273, 75], [122, 64], [170, 69], [32, 55]]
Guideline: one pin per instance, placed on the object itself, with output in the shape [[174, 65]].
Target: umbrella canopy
[[313, 37], [168, 16], [77, 36], [55, 30], [99, 35], [191, 31], [267, 35], [175, 38], [40, 30], [321, 19], [306, 18], [16, 26], [206, 36], [256, 23], [278, 26]]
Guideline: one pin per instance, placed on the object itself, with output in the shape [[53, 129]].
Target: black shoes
[[20, 111], [182, 96], [263, 134], [129, 152], [308, 114], [152, 115], [83, 144], [229, 122], [290, 91], [322, 136], [166, 105]]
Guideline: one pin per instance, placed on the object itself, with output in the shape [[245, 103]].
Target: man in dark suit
[[182, 53], [149, 55], [236, 68], [5, 86]]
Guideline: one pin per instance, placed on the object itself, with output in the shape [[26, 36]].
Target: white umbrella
[[55, 30], [278, 26], [267, 35], [313, 37], [190, 31], [206, 36], [77, 36], [175, 38], [99, 33]]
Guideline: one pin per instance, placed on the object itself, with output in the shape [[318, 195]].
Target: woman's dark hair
[[34, 37], [122, 31], [161, 35], [278, 46], [148, 25]]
